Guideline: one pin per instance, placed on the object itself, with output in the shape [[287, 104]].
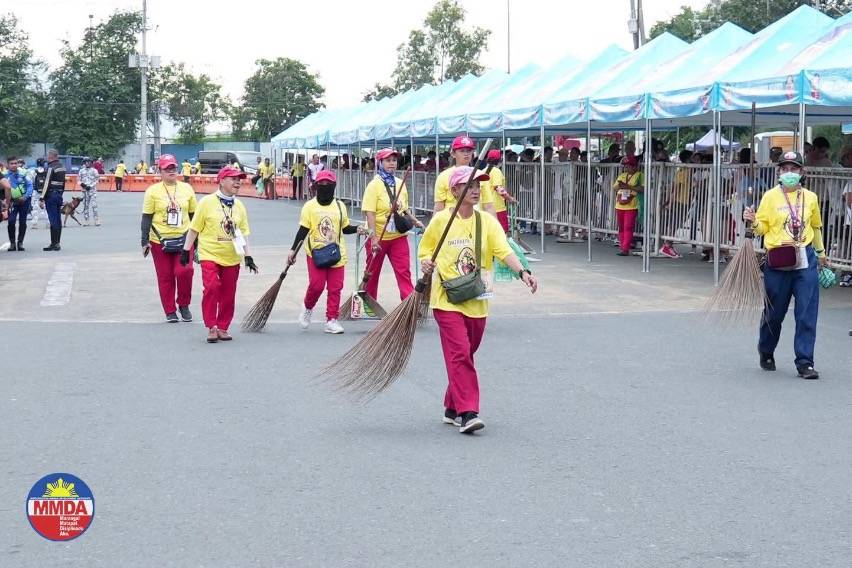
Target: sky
[[351, 45]]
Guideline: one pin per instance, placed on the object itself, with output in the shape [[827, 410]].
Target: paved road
[[622, 429]]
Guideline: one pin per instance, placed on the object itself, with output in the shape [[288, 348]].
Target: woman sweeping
[[167, 210], [461, 151], [221, 226], [459, 307], [323, 223], [789, 220], [388, 224]]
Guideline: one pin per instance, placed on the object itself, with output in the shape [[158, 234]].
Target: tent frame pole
[[717, 194], [646, 213], [541, 192], [589, 189], [800, 145]]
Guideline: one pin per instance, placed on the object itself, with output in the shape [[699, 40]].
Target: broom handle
[[286, 268], [367, 274], [467, 187], [749, 234]]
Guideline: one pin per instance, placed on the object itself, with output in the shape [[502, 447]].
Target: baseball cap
[[165, 161], [326, 175], [462, 142], [462, 173], [791, 158], [229, 172], [494, 155], [386, 153]]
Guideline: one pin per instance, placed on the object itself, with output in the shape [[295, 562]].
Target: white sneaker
[[305, 318], [333, 326]]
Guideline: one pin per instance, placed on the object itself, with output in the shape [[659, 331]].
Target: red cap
[[386, 153], [462, 142], [326, 175], [494, 155], [165, 161], [229, 172]]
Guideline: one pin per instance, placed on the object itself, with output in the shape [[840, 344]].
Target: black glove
[[184, 257], [251, 265]]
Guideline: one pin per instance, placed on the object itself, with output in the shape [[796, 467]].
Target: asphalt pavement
[[622, 427]]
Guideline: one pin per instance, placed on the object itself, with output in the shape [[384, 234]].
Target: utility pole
[[143, 62], [508, 40]]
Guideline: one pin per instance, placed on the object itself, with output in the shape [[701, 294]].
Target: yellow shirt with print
[[457, 256], [156, 202], [496, 180], [635, 180], [376, 200], [324, 226], [120, 171], [773, 219], [213, 242], [443, 193], [186, 168]]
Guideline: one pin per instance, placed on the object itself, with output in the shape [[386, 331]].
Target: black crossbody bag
[[329, 255], [400, 221]]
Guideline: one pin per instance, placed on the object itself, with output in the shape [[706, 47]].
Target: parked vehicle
[[213, 160]]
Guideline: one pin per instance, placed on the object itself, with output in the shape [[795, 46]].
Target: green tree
[[379, 91], [278, 95], [191, 102], [442, 50], [22, 101], [94, 96]]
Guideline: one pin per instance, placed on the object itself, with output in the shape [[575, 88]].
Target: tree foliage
[[279, 94], [22, 100], [94, 96], [442, 50], [190, 101], [750, 15]]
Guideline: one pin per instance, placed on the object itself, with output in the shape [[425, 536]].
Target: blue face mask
[[790, 179]]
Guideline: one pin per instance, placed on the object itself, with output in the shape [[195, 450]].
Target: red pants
[[171, 275], [626, 224], [220, 291], [320, 279], [460, 338], [397, 251], [503, 217]]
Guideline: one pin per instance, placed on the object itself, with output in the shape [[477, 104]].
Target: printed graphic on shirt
[[327, 231], [466, 261]]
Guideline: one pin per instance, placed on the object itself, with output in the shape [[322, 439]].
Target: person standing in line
[[21, 192], [167, 209], [314, 168], [89, 177], [221, 226], [789, 220], [298, 174], [322, 224], [120, 172], [627, 187], [51, 197], [99, 166]]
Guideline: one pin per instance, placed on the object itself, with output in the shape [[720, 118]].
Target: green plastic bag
[[827, 277]]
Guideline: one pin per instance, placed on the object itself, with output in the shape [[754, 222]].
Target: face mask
[[790, 179], [325, 194]]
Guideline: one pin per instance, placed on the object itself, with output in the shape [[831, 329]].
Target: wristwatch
[[521, 273]]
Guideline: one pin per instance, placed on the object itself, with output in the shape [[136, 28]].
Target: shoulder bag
[[469, 286], [400, 222], [329, 255]]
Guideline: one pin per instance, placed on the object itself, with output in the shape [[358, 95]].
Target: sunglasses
[[170, 169]]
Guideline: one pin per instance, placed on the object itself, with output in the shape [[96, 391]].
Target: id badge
[[391, 225], [802, 258], [488, 280], [174, 218], [239, 242]]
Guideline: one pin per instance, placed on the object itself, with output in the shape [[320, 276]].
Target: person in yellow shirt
[[186, 170], [497, 185], [789, 219], [627, 188], [461, 151], [297, 172], [322, 224], [120, 172], [142, 167], [473, 241], [167, 208], [197, 167], [221, 227], [267, 174], [389, 240], [676, 204]]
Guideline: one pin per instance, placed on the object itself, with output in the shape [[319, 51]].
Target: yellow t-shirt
[[266, 172], [120, 170], [682, 185], [142, 168], [298, 170], [496, 180], [774, 220], [213, 242], [376, 201], [443, 193], [325, 226], [457, 256], [156, 201], [186, 168], [636, 180]]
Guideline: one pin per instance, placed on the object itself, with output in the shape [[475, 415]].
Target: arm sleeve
[[615, 183], [350, 229], [816, 217], [147, 221], [300, 236]]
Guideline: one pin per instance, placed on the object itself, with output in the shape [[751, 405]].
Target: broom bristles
[[258, 315], [741, 295]]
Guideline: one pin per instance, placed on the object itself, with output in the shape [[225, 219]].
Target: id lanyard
[[796, 214], [173, 213], [228, 222]]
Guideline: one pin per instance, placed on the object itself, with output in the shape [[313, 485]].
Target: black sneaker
[[185, 314], [13, 247], [451, 417], [767, 362], [470, 423], [807, 372], [172, 317]]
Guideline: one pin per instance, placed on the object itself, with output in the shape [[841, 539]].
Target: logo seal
[[60, 506]]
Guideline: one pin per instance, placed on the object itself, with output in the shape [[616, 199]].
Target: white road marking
[[58, 291]]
